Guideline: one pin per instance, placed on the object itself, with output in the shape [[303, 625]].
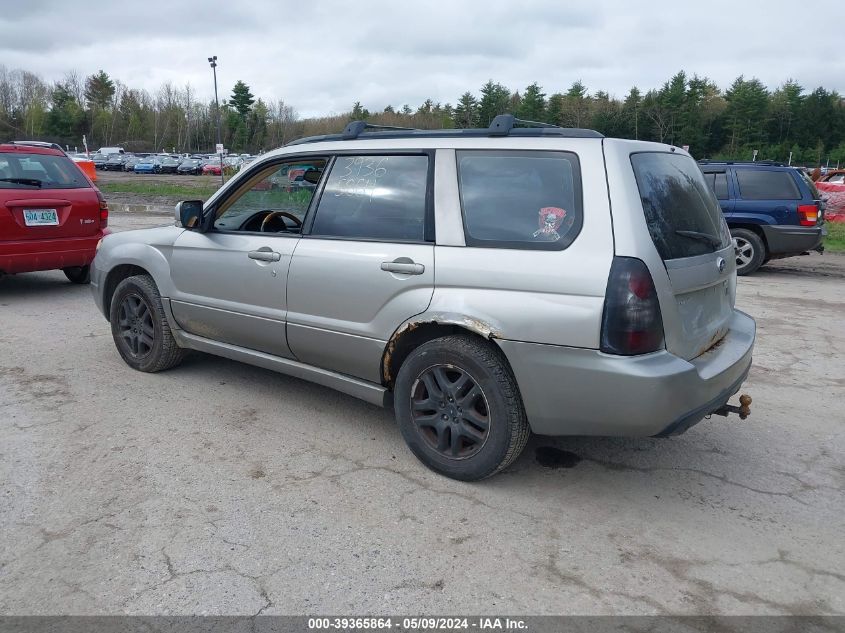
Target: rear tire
[[458, 407], [78, 274], [751, 251], [139, 326]]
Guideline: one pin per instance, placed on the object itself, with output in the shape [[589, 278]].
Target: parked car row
[[196, 164]]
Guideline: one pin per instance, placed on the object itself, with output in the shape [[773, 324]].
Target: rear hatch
[[686, 225], [45, 196]]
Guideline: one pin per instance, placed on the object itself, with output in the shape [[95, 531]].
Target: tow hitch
[[743, 410]]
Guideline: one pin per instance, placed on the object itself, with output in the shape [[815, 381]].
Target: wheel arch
[[426, 327], [114, 277], [754, 228]]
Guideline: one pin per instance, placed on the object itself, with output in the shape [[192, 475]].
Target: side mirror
[[189, 213], [312, 176]]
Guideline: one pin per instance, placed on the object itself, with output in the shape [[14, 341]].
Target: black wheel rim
[[450, 411], [135, 324]]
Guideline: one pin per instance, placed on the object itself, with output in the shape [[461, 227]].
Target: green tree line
[[725, 123]]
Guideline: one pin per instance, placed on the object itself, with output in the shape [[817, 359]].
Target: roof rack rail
[[767, 163], [502, 125], [38, 144], [354, 129]]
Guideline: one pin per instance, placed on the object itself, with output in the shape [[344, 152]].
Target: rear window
[[39, 171], [809, 182], [518, 199], [681, 211], [760, 184]]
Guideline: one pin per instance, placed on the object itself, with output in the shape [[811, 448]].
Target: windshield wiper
[[704, 237], [32, 182]]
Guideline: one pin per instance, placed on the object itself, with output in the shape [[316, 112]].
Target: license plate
[[40, 217]]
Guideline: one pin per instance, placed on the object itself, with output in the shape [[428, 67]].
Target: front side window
[[374, 197], [519, 199], [681, 211], [269, 202], [759, 184]]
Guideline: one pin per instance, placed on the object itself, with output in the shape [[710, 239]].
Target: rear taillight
[[632, 323], [808, 214], [104, 210]]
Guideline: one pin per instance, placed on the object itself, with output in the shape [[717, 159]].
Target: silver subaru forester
[[484, 283]]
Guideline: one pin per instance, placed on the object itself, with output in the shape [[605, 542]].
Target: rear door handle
[[264, 255], [403, 266]]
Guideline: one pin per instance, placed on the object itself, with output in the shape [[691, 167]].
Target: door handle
[[264, 255], [403, 266]]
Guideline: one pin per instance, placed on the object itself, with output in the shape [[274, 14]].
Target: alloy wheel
[[450, 411], [744, 252], [135, 324]]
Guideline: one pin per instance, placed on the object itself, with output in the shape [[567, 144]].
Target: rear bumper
[[787, 239], [570, 391], [30, 255]]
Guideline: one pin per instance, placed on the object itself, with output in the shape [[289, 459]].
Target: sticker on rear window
[[551, 219]]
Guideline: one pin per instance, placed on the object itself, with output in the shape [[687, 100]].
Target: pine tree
[[533, 104], [241, 99], [65, 117], [99, 89], [495, 100], [554, 109], [465, 114]]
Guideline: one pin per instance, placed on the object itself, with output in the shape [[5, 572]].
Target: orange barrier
[[87, 166]]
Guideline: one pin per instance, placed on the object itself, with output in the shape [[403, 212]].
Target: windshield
[[682, 213]]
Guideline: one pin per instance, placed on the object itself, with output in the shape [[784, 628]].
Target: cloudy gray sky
[[321, 56]]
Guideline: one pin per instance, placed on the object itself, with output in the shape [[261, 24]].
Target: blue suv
[[772, 210]]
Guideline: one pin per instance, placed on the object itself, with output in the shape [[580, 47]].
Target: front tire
[[458, 407], [750, 251], [78, 274], [139, 326]]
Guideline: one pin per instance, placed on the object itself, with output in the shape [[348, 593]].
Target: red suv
[[51, 214]]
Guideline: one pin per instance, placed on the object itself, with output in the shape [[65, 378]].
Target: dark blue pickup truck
[[772, 210]]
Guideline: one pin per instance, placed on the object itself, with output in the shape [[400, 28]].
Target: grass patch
[[186, 192], [835, 240]]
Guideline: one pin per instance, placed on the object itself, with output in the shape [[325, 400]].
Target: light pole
[[213, 62]]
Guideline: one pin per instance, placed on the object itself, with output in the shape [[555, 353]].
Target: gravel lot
[[218, 488]]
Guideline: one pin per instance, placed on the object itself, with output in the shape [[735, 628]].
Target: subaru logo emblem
[[721, 264]]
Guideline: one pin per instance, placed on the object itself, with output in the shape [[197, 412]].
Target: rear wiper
[[704, 237], [32, 182]]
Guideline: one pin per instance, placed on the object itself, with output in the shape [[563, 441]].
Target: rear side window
[[374, 197], [759, 184], [681, 211], [718, 182], [524, 200], [39, 171]]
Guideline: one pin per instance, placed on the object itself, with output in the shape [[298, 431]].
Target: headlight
[[99, 243]]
